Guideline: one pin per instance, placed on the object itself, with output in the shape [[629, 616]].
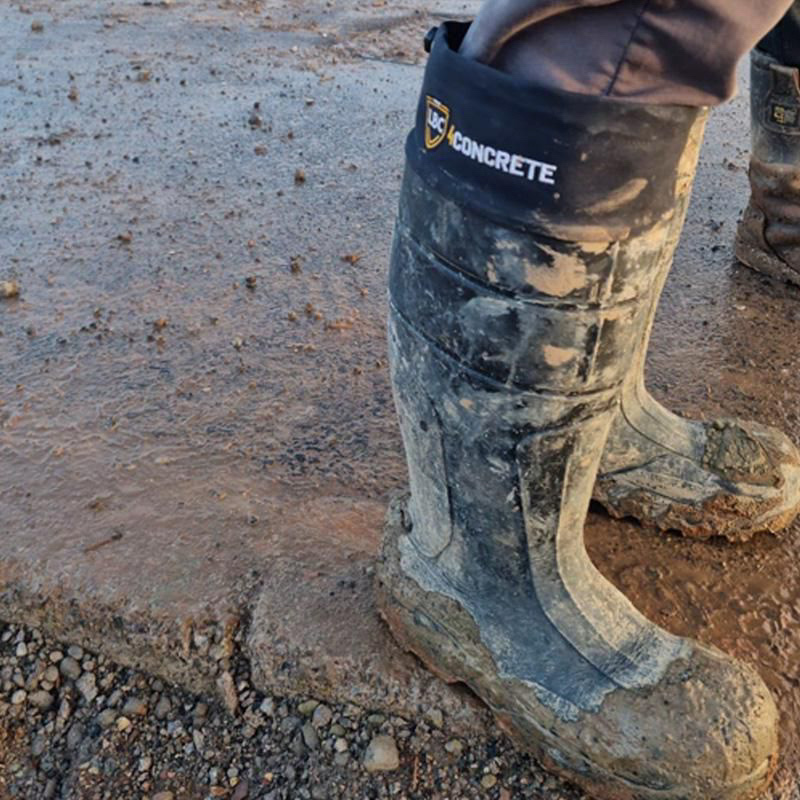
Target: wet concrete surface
[[197, 441]]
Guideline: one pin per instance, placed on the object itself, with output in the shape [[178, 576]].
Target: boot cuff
[[540, 159]]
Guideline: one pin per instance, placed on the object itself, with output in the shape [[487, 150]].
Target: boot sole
[[700, 499], [735, 517], [754, 257]]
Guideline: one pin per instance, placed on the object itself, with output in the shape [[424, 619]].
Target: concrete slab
[[196, 434], [196, 416]]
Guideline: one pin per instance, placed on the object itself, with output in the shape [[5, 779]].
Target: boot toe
[[746, 482], [706, 731]]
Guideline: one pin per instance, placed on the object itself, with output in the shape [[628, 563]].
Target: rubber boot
[[727, 477], [768, 239], [531, 225]]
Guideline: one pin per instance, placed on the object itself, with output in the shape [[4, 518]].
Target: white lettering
[[547, 173], [516, 166], [436, 120], [501, 160]]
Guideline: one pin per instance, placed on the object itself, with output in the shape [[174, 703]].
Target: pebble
[[163, 707], [75, 736], [381, 755], [310, 751], [41, 699], [227, 687], [64, 713], [267, 707], [307, 707], [310, 736], [135, 707], [75, 651], [289, 724], [163, 796], [70, 668], [87, 686], [298, 746], [241, 791], [22, 650], [107, 718], [321, 717], [435, 717]]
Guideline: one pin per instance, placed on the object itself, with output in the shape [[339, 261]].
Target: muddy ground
[[196, 432]]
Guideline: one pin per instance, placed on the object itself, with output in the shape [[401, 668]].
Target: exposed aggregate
[[76, 726]]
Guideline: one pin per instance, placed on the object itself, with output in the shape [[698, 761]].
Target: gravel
[[381, 755], [76, 726]]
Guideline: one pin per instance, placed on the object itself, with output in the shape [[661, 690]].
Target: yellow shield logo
[[437, 119]]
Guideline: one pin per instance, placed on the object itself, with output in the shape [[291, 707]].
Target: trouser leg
[[651, 52]]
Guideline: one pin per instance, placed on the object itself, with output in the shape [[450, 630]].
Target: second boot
[[768, 238], [726, 477]]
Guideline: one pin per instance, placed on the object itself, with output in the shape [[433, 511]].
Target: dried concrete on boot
[[196, 428]]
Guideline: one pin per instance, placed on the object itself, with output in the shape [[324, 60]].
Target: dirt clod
[[9, 290]]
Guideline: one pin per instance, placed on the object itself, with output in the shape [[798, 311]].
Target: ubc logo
[[785, 115], [437, 118]]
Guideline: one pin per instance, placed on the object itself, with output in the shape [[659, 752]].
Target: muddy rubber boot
[[531, 226], [768, 239], [727, 477]]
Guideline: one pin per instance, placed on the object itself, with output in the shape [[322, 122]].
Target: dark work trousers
[[682, 52]]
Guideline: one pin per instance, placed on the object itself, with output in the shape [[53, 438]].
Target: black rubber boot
[[768, 239], [532, 225], [727, 477]]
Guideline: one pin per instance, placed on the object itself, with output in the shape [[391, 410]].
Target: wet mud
[[193, 381]]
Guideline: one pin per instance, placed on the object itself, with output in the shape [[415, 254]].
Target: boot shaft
[[535, 285], [514, 321], [774, 110]]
